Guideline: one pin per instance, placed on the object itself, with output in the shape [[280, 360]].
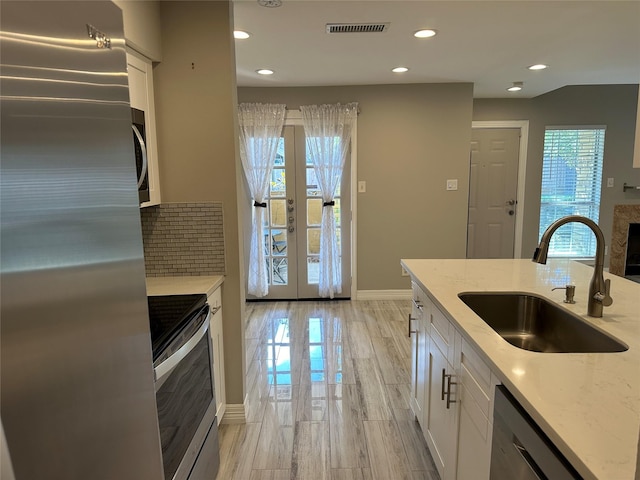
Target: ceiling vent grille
[[357, 27]]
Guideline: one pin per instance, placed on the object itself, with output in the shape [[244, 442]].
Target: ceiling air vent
[[357, 27]]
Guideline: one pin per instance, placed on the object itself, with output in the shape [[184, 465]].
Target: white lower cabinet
[[215, 303], [477, 383], [440, 428], [455, 407], [419, 351]]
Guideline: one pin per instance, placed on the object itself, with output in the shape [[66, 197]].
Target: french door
[[292, 232]]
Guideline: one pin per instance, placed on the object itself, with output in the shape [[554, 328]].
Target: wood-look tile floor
[[327, 395]]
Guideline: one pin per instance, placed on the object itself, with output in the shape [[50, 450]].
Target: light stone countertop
[[183, 285], [588, 404]]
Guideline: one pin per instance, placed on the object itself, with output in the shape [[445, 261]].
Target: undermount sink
[[531, 322]]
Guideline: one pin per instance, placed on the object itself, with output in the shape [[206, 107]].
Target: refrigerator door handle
[[165, 367], [143, 149]]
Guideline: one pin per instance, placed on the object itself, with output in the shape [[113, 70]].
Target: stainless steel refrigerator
[[77, 392]]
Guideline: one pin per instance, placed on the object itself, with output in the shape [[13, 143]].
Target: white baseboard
[[383, 294], [234, 413]]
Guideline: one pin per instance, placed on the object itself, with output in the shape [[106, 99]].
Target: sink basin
[[531, 322]]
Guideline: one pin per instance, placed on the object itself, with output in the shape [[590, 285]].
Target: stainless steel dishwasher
[[520, 450]]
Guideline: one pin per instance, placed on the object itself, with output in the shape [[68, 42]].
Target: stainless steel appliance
[[140, 149], [519, 449], [77, 398], [185, 393]]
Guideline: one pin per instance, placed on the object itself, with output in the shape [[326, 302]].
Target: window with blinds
[[571, 182]]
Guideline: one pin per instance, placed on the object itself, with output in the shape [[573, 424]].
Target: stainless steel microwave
[[140, 148]]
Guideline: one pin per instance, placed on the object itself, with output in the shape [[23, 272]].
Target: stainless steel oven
[[185, 393]]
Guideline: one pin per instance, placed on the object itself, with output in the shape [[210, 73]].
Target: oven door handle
[[165, 367], [143, 150]]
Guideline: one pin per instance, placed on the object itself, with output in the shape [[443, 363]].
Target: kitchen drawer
[[475, 412], [478, 379], [474, 392], [441, 332], [477, 367]]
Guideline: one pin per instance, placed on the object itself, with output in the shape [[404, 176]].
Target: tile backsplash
[[183, 239]]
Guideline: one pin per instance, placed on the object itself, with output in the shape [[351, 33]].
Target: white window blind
[[571, 182]]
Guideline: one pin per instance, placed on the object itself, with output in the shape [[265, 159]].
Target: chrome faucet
[[599, 287]]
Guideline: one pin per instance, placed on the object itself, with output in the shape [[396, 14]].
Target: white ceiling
[[487, 43]]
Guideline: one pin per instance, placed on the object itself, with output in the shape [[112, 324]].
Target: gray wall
[[610, 105], [411, 139], [195, 95]]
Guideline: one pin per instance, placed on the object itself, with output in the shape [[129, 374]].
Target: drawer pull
[[449, 383], [411, 331]]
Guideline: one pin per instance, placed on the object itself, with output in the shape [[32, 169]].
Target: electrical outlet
[[452, 184], [404, 272]]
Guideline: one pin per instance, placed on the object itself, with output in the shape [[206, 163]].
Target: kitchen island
[[588, 404]]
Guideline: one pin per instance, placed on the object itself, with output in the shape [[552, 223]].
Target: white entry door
[[493, 188], [292, 236]]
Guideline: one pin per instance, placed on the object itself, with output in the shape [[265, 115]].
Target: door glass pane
[[280, 270], [278, 213], [278, 183], [313, 241], [314, 211], [336, 211], [313, 189], [278, 243], [313, 270], [280, 159]]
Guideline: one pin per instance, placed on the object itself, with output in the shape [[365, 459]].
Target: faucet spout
[[598, 287]]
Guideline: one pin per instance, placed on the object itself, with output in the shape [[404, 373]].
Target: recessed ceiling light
[[264, 71], [424, 33], [516, 87], [270, 3], [539, 66], [399, 69], [240, 34]]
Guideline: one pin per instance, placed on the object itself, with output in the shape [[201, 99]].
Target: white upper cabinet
[[141, 97]]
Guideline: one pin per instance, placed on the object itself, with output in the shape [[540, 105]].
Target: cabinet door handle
[[411, 331], [444, 376], [449, 383]]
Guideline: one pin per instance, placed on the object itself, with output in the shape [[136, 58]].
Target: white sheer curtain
[[260, 129], [328, 133]]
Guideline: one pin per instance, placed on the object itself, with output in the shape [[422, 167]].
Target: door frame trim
[[294, 118], [523, 125]]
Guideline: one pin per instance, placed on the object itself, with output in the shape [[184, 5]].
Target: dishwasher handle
[[526, 458]]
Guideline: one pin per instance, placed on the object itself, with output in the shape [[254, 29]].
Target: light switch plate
[[362, 186], [610, 182], [452, 184]]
